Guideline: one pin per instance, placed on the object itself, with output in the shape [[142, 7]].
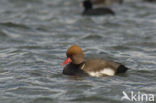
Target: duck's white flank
[[105, 71]]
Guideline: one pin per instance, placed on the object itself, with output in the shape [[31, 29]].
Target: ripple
[[14, 25], [90, 99], [92, 36], [30, 91], [43, 99], [2, 34], [120, 47]]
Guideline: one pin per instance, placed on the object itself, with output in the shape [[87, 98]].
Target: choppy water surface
[[34, 35]]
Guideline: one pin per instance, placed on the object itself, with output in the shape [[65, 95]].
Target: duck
[[106, 2], [90, 11], [76, 65]]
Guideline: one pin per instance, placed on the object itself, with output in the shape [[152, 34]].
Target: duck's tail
[[121, 69]]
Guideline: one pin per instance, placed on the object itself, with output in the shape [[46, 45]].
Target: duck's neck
[[87, 5], [86, 9], [79, 66]]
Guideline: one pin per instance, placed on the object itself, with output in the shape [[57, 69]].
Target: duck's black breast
[[99, 11], [72, 69]]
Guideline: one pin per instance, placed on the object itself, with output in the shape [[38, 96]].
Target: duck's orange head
[[74, 55]]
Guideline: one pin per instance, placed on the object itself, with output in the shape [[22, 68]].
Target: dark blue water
[[34, 36]]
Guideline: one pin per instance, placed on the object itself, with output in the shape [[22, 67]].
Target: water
[[34, 36]]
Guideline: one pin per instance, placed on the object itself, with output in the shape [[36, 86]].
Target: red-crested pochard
[[78, 65], [90, 11]]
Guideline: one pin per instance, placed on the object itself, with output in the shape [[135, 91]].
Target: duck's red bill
[[68, 60]]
